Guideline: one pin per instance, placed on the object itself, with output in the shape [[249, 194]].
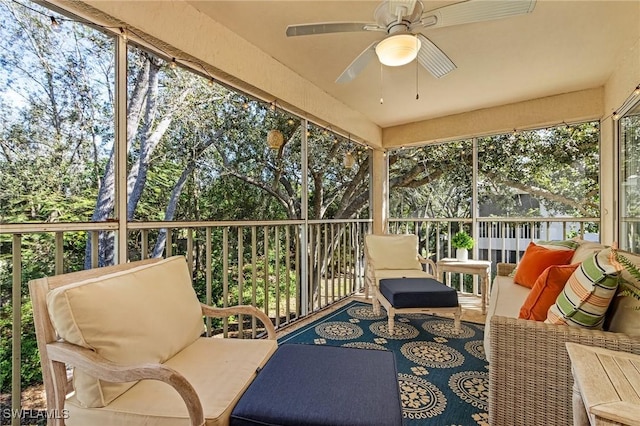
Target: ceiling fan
[[401, 20]]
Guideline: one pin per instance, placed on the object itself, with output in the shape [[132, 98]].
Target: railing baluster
[[287, 267], [225, 278], [333, 263], [95, 256], [352, 266], [266, 269], [277, 267], [311, 253], [190, 248], [317, 248], [504, 241], [16, 326], [299, 282], [208, 275], [326, 264], [254, 278], [59, 253], [144, 244], [168, 242], [240, 279]]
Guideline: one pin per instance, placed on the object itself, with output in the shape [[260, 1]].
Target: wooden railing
[[288, 269]]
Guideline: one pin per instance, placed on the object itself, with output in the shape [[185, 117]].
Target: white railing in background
[[497, 239]]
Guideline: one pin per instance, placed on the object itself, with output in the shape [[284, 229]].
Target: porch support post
[[304, 231], [379, 199], [609, 185], [121, 150]]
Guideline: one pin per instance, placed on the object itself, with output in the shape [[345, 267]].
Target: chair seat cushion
[[418, 293], [218, 369], [311, 385], [400, 273]]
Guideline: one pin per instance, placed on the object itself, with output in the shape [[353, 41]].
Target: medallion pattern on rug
[[442, 375]]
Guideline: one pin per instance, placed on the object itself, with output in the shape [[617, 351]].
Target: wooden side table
[[606, 386], [473, 267]]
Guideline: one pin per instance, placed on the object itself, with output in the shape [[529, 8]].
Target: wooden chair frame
[[55, 353], [379, 299]]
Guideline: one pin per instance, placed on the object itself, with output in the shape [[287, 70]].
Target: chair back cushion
[[145, 314], [392, 251]]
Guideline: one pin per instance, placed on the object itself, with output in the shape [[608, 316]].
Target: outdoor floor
[[33, 397], [471, 311]]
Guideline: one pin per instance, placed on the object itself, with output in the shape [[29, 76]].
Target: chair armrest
[[213, 312], [504, 269], [103, 369], [530, 380], [430, 264]]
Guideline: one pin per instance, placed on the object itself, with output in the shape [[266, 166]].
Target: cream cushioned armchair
[[396, 257], [119, 325], [393, 256]]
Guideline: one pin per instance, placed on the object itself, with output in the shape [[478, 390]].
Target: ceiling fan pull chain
[[381, 86], [417, 87]]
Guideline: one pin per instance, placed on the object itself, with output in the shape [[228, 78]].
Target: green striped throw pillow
[[559, 244], [587, 294]]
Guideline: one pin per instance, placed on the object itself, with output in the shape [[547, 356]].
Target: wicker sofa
[[530, 381]]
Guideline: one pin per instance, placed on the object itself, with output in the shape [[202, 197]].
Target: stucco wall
[[616, 91], [568, 107]]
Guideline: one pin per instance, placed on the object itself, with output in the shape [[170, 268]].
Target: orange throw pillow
[[545, 291], [535, 260]]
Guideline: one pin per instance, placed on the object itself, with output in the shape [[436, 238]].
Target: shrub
[[462, 240]]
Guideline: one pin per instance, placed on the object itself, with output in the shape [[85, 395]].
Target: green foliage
[[30, 372], [629, 288], [462, 240], [542, 172], [431, 181]]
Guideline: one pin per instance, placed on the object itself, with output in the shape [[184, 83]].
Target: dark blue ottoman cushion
[[308, 385], [418, 293]]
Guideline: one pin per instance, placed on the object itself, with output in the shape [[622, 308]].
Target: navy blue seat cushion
[[308, 385], [418, 293]]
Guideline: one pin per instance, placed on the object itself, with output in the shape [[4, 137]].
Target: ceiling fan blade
[[433, 59], [358, 64], [476, 11], [328, 27]]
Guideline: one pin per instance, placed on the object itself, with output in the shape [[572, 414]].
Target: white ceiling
[[562, 46]]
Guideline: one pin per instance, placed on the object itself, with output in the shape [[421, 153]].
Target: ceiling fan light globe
[[398, 50]]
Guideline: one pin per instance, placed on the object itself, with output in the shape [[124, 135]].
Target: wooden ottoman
[[417, 296], [309, 385]]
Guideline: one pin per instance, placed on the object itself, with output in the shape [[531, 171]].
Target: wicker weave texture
[[504, 269], [530, 381]]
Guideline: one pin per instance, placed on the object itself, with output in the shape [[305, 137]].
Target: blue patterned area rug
[[443, 377]]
